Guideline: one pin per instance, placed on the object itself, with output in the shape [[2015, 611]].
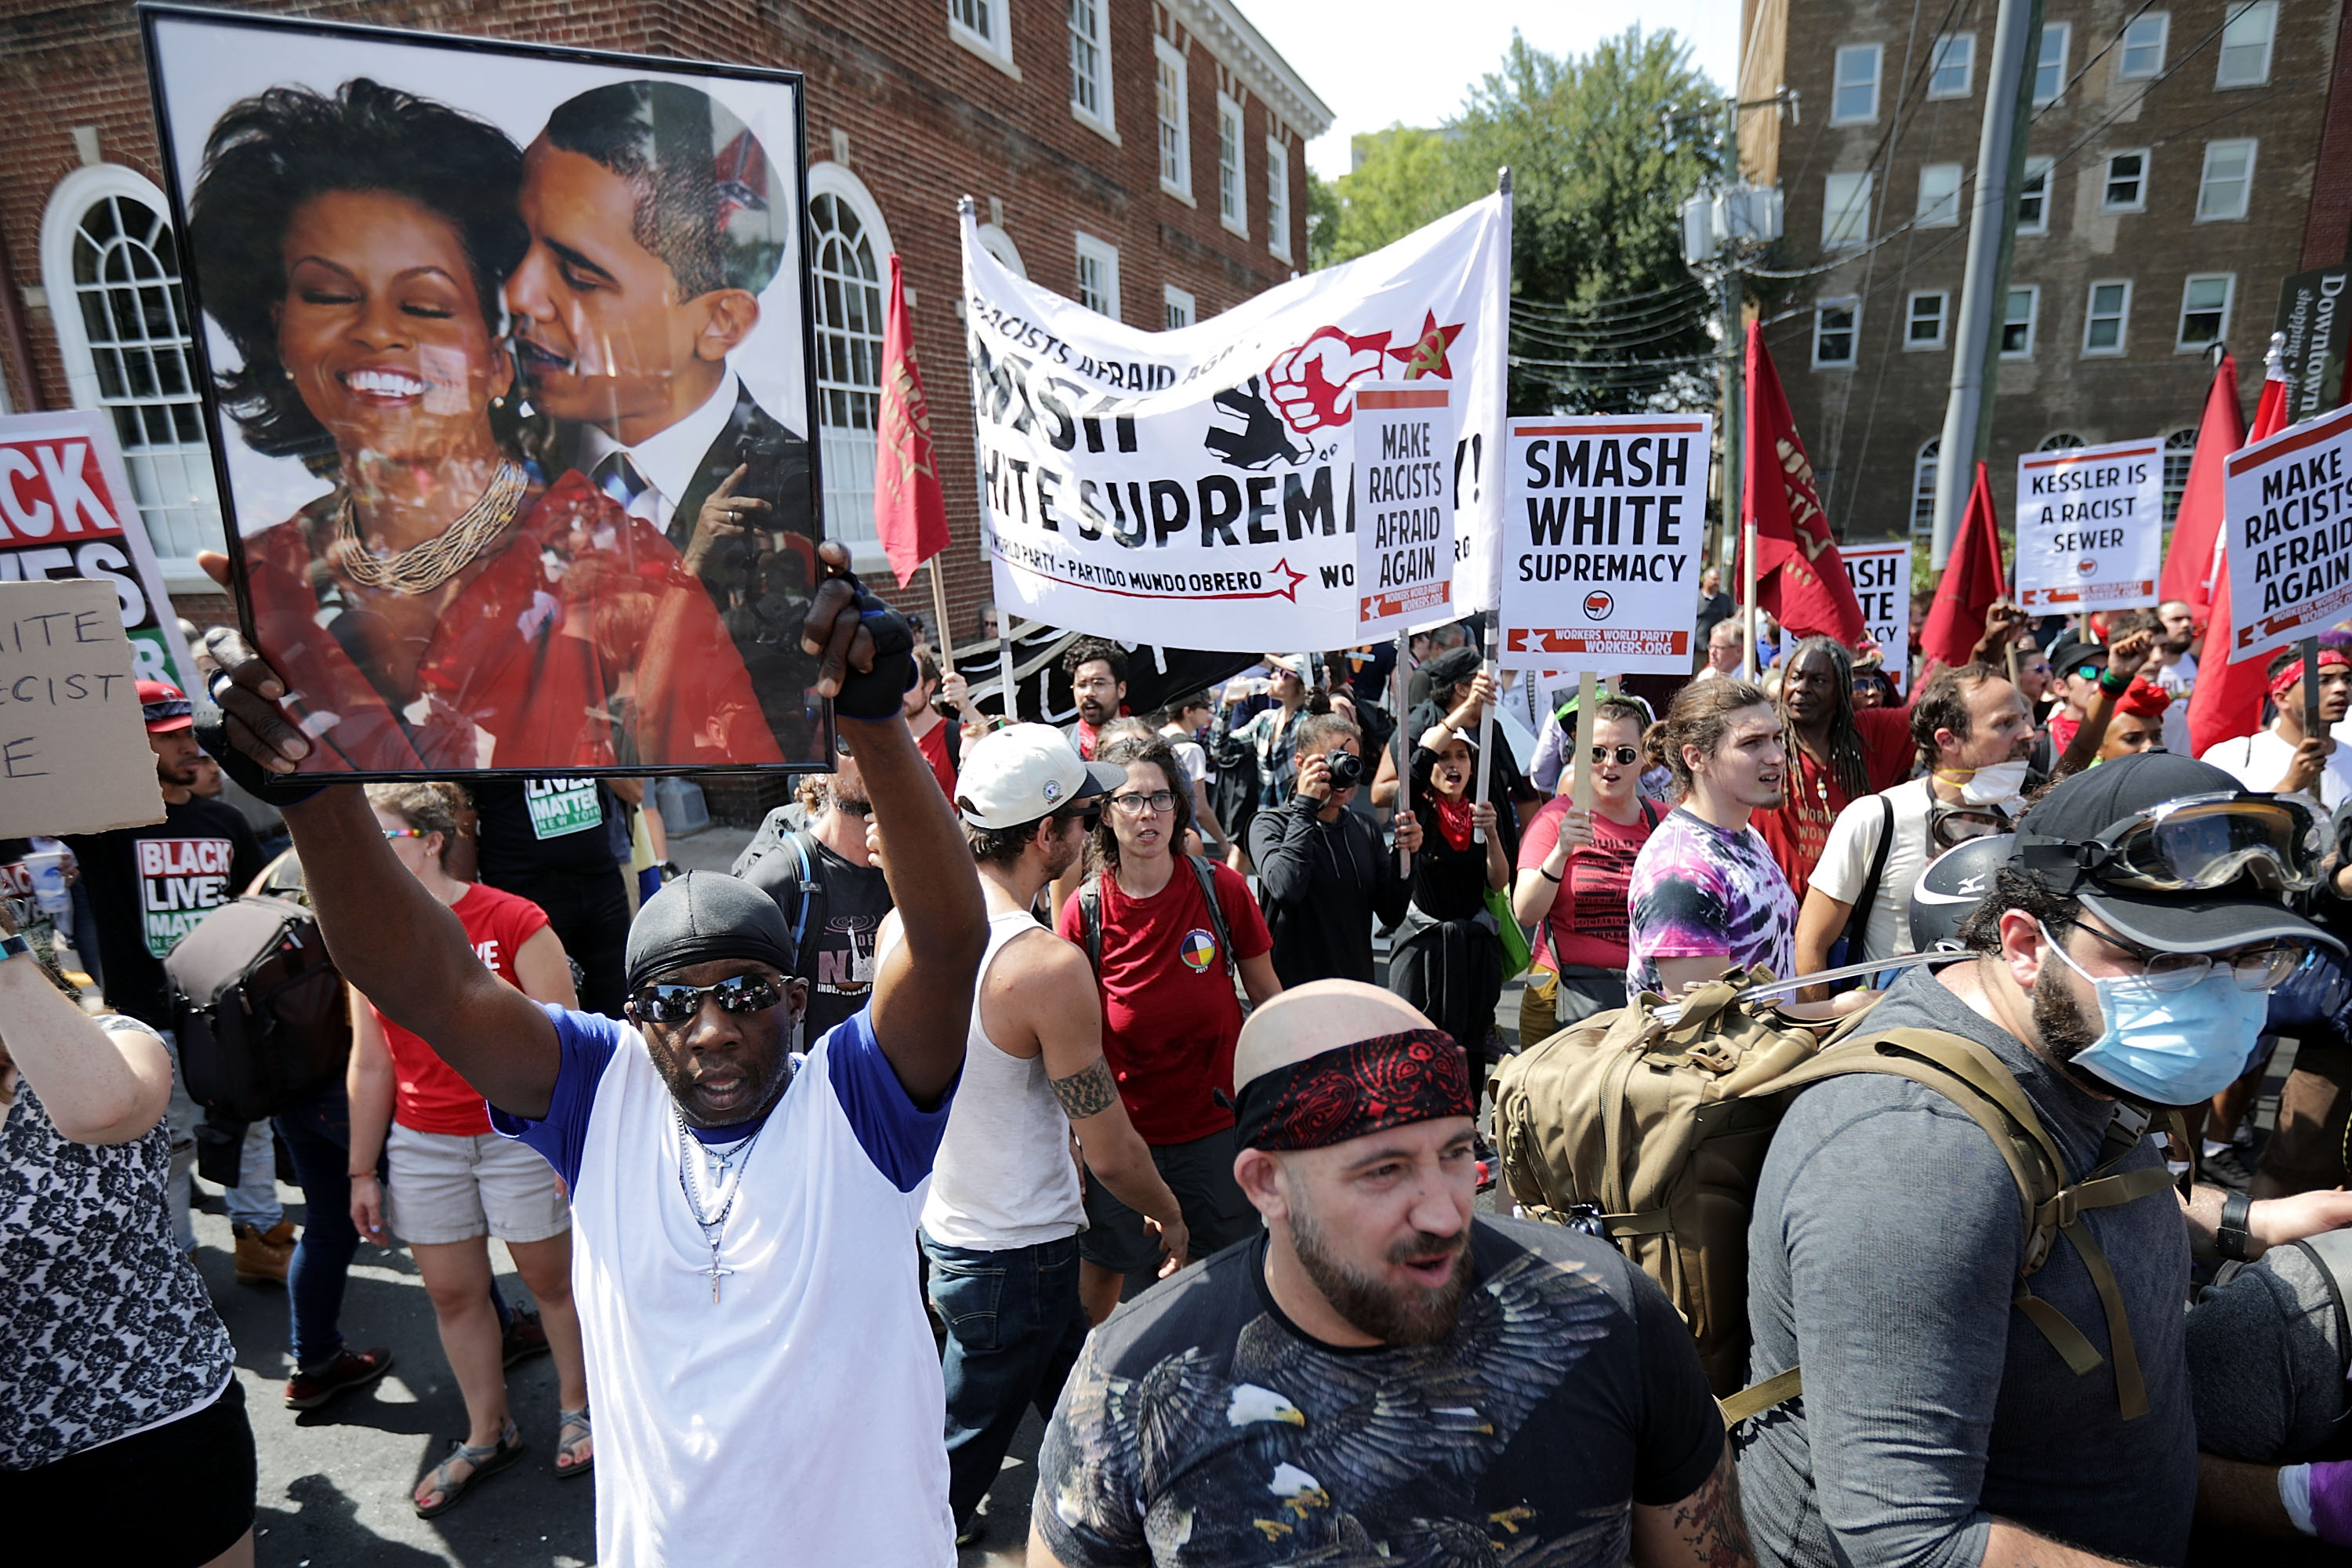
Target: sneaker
[[352, 1369], [263, 1255], [2228, 1170], [525, 1337]]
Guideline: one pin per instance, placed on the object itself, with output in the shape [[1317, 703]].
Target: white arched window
[[112, 277], [999, 244], [1923, 468], [2178, 449], [2061, 441], [850, 258]]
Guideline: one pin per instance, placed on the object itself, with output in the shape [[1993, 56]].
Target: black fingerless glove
[[879, 692], [212, 734]]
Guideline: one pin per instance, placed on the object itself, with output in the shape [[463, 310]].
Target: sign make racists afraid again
[[2090, 527], [1404, 506], [1603, 526], [2289, 534]]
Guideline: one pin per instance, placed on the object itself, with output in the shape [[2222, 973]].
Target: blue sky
[[1377, 62]]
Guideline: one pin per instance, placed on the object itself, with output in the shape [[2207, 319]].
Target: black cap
[[2071, 653], [2087, 804], [1452, 669]]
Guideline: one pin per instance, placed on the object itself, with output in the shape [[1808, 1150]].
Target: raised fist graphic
[[1311, 382]]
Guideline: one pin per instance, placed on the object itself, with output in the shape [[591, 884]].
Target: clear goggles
[[2202, 843]]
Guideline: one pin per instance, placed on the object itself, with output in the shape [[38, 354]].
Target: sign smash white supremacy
[[1191, 486], [1601, 542], [2090, 526], [2288, 534]]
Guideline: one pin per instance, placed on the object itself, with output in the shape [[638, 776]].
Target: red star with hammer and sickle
[[1426, 355]]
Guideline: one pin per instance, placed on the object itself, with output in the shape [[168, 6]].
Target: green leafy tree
[[1322, 220], [1403, 179]]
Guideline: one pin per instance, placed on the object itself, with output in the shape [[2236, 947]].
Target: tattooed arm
[[1704, 1530], [1049, 983]]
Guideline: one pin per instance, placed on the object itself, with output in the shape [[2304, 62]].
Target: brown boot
[[262, 1256]]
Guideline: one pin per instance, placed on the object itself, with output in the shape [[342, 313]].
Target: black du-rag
[[701, 916]]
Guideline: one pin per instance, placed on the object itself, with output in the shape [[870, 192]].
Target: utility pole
[[1984, 287], [1735, 294]]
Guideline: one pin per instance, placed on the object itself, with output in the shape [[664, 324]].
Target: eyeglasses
[[1150, 805], [1626, 755], [2197, 843], [665, 1003], [2254, 968], [403, 832]]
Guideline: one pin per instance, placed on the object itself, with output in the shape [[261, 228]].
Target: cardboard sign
[[1404, 506], [1604, 519], [1881, 576], [2287, 534], [74, 756], [2090, 527], [66, 510], [2312, 313]]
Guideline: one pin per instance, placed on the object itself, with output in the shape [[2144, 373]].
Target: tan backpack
[[1653, 1135]]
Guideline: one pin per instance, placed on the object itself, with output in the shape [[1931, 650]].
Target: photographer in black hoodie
[[1323, 873]]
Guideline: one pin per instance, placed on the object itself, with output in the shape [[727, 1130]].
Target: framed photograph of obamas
[[510, 374]]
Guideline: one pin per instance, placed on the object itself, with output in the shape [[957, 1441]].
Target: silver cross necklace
[[735, 1163]]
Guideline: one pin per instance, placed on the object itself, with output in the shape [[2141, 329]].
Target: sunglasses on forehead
[[668, 1004]]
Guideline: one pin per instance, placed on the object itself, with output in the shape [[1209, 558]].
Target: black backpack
[[1090, 924], [259, 1008]]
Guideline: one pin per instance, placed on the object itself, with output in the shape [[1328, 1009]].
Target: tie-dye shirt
[[1700, 892]]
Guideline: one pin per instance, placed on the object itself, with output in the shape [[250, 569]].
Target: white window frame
[[846, 452], [1845, 224], [1852, 305], [2162, 22], [2040, 225], [1168, 57], [1180, 303], [2033, 291], [2268, 11], [190, 464], [1233, 173], [999, 244], [2245, 184], [1102, 117], [2229, 281], [1944, 212], [2177, 455], [2121, 316], [1277, 199], [1963, 48], [1105, 255], [994, 42], [1943, 298], [1927, 469], [2107, 203], [1838, 83], [2063, 32]]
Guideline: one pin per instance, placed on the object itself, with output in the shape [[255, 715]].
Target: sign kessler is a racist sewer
[[1603, 523], [2090, 527]]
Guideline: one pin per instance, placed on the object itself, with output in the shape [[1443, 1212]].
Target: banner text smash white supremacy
[[2289, 546]]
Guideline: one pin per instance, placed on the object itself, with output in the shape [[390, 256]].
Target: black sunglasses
[[668, 1003]]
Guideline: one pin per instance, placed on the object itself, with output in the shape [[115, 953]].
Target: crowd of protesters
[[1161, 1044]]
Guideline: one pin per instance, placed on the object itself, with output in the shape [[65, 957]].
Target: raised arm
[[98, 1085]]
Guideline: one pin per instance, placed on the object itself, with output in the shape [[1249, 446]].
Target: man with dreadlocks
[[1839, 754]]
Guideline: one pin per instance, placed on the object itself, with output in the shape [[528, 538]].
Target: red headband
[[1350, 1090], [2286, 680]]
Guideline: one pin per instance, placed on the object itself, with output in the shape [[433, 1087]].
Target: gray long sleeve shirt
[[1883, 1255]]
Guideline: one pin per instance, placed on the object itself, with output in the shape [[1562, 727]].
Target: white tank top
[[1005, 1177]]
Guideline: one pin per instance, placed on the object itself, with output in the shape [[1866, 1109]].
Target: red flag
[[1799, 576], [2228, 701], [1971, 581], [910, 513], [2197, 525]]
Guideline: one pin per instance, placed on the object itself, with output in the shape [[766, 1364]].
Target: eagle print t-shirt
[[1200, 1426], [1700, 892]]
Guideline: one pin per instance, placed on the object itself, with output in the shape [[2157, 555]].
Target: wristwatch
[[2231, 1239]]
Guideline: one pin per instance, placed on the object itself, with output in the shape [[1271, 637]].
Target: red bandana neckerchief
[[1453, 819]]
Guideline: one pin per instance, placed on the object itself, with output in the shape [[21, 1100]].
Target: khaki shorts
[[446, 1187]]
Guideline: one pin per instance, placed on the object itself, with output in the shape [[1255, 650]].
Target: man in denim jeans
[[1001, 1222]]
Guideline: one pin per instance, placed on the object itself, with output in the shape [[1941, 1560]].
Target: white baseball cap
[[1024, 771]]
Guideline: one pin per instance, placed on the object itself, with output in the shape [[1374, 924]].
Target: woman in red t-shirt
[[450, 1182], [1573, 871]]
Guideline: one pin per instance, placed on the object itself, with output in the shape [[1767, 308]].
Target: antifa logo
[[1261, 439], [2086, 566], [1597, 605]]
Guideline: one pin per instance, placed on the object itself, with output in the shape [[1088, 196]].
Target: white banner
[[1191, 486], [1881, 576], [1604, 523], [2288, 534], [2090, 527], [1404, 506]]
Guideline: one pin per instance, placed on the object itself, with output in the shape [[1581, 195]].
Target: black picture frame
[[814, 749]]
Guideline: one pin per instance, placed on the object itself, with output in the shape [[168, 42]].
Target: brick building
[[1147, 158], [2175, 175]]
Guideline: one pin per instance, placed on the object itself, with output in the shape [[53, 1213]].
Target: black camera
[[1347, 768]]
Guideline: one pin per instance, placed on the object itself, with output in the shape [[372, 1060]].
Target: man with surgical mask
[[1974, 735], [2120, 965]]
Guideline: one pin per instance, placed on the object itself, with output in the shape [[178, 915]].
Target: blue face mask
[[2170, 1047]]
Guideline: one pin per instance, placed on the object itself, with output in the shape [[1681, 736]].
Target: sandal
[[566, 1421], [487, 1459]]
